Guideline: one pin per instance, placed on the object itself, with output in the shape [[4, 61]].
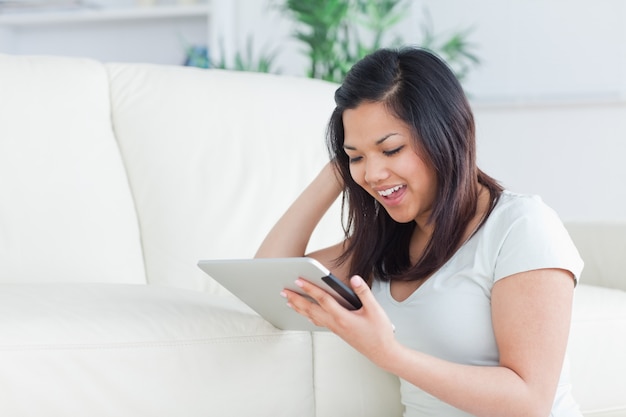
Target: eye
[[354, 159], [393, 151]]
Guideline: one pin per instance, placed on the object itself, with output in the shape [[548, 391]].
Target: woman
[[466, 288]]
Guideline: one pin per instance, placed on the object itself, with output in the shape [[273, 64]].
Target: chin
[[404, 220], [401, 218]]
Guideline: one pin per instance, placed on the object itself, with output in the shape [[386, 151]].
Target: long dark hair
[[420, 89]]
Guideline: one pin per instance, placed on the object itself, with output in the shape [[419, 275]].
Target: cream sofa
[[115, 179]]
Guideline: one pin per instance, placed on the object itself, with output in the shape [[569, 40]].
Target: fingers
[[322, 297], [367, 329], [305, 307], [323, 311], [327, 301]]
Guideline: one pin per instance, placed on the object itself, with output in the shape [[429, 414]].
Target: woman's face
[[385, 162]]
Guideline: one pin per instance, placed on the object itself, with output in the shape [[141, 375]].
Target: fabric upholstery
[[66, 211], [138, 350], [204, 193]]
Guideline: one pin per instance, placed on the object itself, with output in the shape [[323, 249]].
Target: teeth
[[389, 191]]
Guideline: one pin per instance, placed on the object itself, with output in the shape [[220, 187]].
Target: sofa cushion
[[138, 350], [66, 212], [349, 384], [596, 350], [228, 152], [602, 245]]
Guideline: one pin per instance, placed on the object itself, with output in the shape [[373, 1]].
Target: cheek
[[357, 174]]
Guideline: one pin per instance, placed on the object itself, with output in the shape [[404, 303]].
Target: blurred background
[[547, 78], [533, 50]]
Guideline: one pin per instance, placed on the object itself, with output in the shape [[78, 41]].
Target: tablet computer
[[258, 283]]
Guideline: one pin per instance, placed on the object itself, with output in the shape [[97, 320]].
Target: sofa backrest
[[66, 211], [603, 248], [214, 158]]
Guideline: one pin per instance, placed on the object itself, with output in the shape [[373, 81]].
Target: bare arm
[[531, 316], [290, 235]]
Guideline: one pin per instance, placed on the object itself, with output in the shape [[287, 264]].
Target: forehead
[[370, 122], [373, 112]]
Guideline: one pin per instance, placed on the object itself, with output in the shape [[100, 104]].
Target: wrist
[[333, 177], [388, 357]]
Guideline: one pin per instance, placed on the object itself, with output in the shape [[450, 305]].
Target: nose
[[376, 170]]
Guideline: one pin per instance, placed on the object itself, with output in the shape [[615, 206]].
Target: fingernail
[[299, 283], [356, 281], [283, 294]]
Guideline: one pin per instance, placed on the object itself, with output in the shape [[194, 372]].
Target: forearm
[[290, 235], [478, 390], [531, 351]]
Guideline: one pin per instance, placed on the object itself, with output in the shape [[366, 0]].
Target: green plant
[[455, 49], [198, 56], [245, 61], [332, 31], [337, 33], [195, 55], [323, 22]]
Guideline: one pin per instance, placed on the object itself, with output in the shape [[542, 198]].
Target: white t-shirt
[[449, 315]]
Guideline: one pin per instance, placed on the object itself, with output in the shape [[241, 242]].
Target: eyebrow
[[378, 142]]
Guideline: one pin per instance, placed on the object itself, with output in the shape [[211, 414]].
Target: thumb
[[361, 289], [371, 306]]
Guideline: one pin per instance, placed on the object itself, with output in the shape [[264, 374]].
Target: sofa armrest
[[602, 246]]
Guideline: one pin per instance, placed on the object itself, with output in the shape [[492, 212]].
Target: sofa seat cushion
[[596, 350], [135, 350]]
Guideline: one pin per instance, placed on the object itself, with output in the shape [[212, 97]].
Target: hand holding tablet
[[258, 283]]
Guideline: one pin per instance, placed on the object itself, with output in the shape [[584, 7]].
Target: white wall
[[570, 154], [549, 95], [122, 36], [536, 49]]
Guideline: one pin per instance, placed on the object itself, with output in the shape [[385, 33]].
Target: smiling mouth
[[390, 191]]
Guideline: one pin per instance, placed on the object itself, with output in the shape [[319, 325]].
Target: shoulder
[[528, 234], [513, 207], [524, 214]]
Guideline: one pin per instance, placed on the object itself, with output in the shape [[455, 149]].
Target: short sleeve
[[535, 238]]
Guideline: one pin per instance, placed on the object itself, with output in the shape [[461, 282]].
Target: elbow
[[539, 411], [534, 406]]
